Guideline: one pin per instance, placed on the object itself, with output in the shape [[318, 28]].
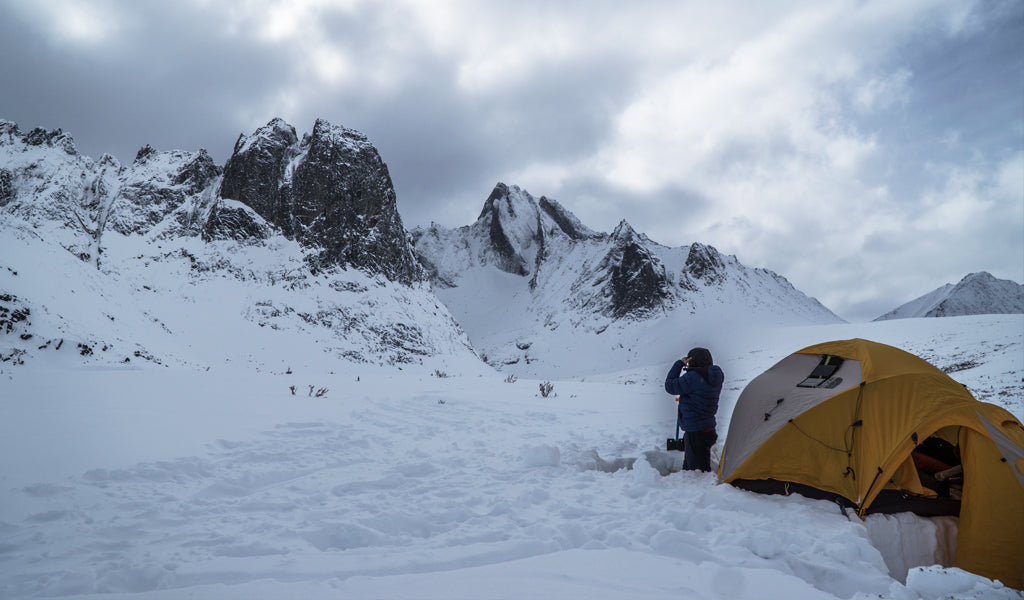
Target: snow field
[[397, 486], [164, 483]]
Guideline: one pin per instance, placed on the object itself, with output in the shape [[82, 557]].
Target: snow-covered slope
[[976, 294], [533, 286], [160, 483], [108, 264]]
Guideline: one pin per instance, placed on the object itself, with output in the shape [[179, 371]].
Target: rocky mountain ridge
[[527, 271], [305, 231], [331, 190], [311, 244], [975, 294]]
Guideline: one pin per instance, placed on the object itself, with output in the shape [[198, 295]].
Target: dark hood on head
[[700, 357]]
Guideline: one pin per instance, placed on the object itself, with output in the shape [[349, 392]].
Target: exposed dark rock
[[433, 273], [342, 200], [56, 138], [331, 192], [143, 154], [510, 260], [541, 240], [229, 220], [156, 185], [634, 281], [148, 205], [9, 129], [13, 314], [566, 221], [520, 230], [6, 187], [198, 173], [705, 264], [254, 172]]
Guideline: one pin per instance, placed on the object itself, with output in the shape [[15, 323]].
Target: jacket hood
[[716, 377], [700, 357]]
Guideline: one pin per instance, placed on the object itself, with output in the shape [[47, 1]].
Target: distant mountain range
[[293, 252], [530, 283], [976, 294]]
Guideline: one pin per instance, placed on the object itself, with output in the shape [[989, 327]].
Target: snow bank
[[906, 540]]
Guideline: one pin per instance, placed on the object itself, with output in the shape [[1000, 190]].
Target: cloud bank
[[868, 151]]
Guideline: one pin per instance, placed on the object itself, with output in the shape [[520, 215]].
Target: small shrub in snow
[[320, 393], [15, 356], [510, 379], [292, 388], [440, 374], [546, 388]]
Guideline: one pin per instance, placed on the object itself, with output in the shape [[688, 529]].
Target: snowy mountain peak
[[276, 133], [550, 273], [623, 231], [328, 135], [511, 218], [520, 228], [297, 247], [159, 183], [11, 136], [331, 192], [253, 173], [976, 294], [144, 153], [38, 137], [43, 179], [705, 263], [565, 220], [633, 280]]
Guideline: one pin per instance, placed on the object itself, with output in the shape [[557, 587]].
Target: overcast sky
[[869, 152]]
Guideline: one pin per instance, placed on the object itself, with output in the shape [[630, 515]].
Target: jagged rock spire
[[331, 191]]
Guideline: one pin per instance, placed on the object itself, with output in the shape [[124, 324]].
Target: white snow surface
[[173, 481]]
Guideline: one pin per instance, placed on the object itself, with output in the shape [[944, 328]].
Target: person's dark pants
[[697, 446]]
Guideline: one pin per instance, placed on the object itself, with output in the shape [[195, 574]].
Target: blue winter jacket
[[698, 398]]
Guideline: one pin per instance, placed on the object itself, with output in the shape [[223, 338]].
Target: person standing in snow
[[699, 389]]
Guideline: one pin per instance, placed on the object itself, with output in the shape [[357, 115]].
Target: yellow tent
[[881, 430]]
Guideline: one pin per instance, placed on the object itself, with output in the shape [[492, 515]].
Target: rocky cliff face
[[633, 281], [157, 184], [519, 228], [256, 169], [330, 191]]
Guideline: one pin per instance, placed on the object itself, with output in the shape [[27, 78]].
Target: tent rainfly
[[878, 429]]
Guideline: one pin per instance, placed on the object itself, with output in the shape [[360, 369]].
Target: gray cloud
[[871, 136]]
